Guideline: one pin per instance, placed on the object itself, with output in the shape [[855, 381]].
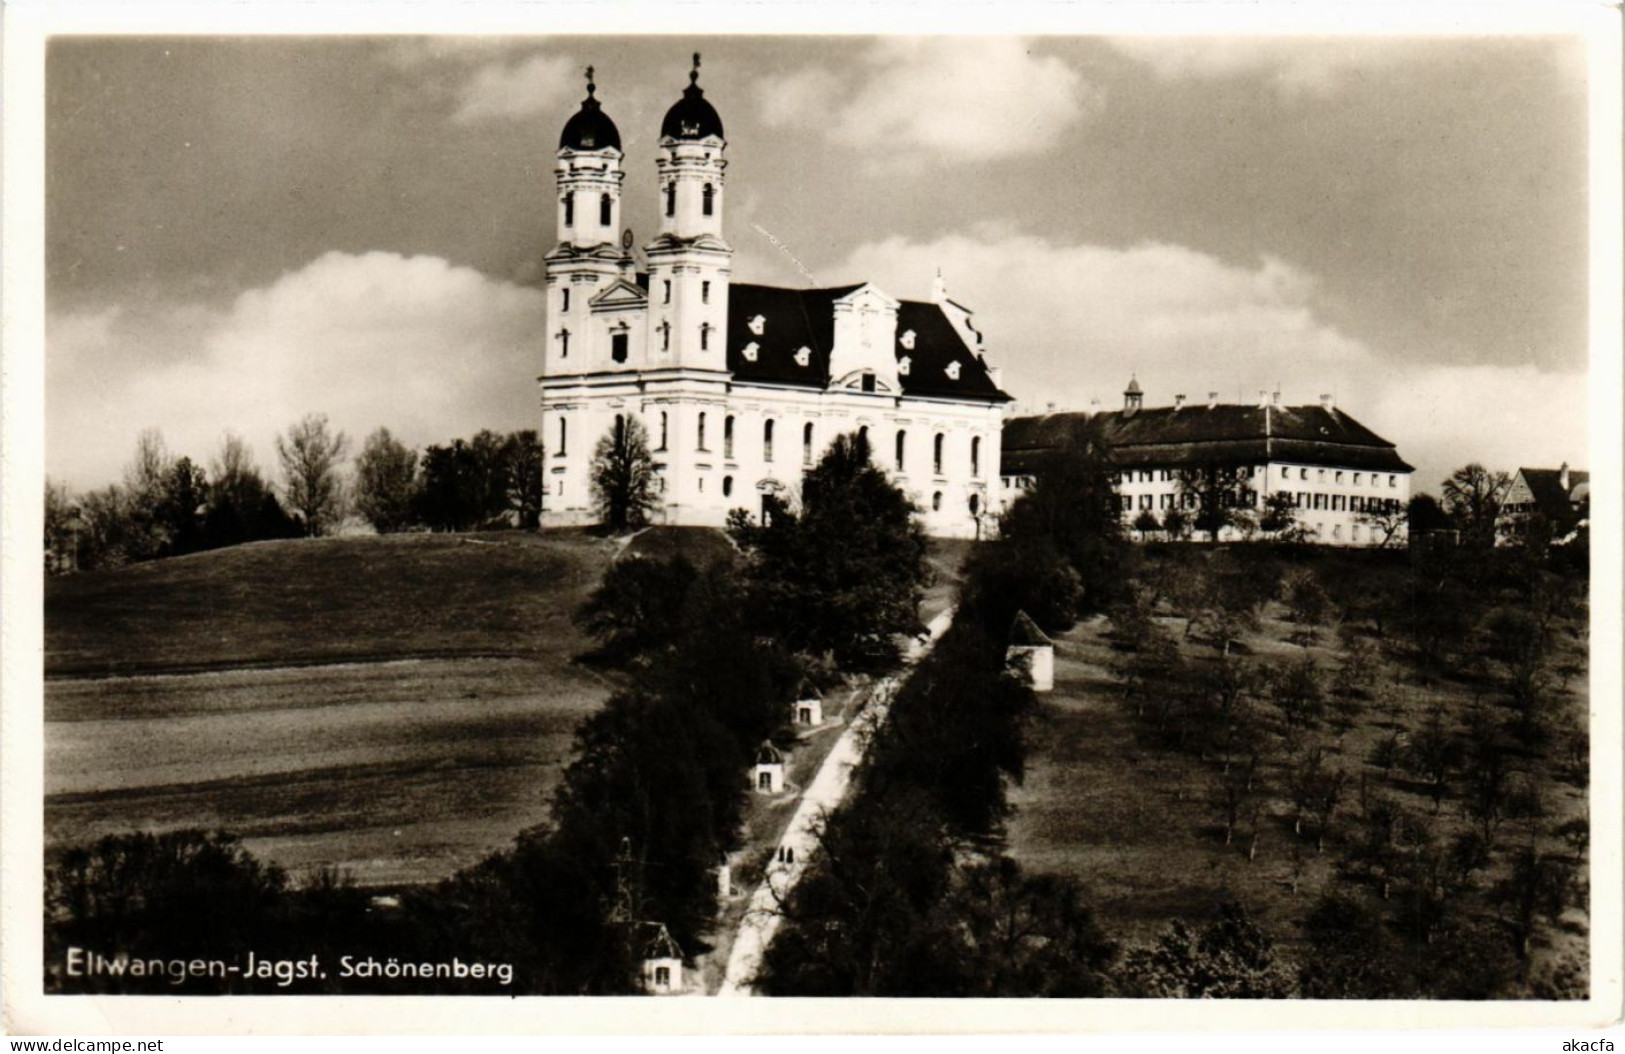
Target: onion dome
[[1133, 387], [590, 128], [692, 117]]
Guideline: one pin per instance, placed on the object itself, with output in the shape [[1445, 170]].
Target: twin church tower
[[740, 387]]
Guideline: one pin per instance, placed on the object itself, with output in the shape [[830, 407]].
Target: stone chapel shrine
[[741, 387]]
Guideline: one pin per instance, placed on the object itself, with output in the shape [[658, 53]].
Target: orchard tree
[[386, 482], [1221, 494], [844, 573], [1279, 518], [623, 476], [523, 458], [1385, 517], [311, 453], [1472, 498]]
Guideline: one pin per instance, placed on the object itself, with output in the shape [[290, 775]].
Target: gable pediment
[[619, 294]]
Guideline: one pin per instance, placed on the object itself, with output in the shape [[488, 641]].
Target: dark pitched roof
[[805, 318], [1024, 632], [1314, 435], [1546, 487], [590, 128]]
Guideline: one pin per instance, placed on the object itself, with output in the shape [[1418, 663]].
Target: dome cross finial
[[591, 87], [694, 74]]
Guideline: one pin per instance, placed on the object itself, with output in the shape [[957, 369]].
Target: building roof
[[1226, 433], [691, 117], [590, 128], [657, 941], [1546, 488], [793, 319], [768, 754], [1024, 632]]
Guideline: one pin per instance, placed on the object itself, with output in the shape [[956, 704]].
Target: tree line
[[169, 505]]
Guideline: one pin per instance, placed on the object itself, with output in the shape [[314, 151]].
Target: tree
[[1434, 754], [242, 506], [182, 507], [1279, 518], [146, 477], [1424, 513], [1296, 691], [640, 606], [1472, 498], [1537, 888], [623, 476], [386, 482], [1230, 958], [1387, 517], [525, 466], [1175, 524], [1147, 524], [61, 528], [844, 574], [1220, 493], [1074, 507], [310, 453]]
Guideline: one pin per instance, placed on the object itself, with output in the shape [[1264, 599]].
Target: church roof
[[590, 128], [805, 318], [1231, 434], [691, 117]]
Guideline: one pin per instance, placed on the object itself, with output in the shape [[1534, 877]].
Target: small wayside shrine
[[767, 777], [807, 709], [1031, 654], [662, 960]]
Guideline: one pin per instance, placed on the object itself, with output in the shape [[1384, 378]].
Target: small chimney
[[1563, 477], [1094, 404], [1049, 408], [1275, 397], [1179, 401], [1263, 398], [1212, 400], [939, 288], [1327, 402]]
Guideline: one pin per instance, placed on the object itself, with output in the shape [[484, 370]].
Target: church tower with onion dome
[[589, 257], [689, 260]]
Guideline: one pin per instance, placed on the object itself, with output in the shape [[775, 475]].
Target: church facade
[[741, 387]]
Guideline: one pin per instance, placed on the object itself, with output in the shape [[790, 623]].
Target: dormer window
[[750, 351], [803, 356], [756, 325], [907, 339], [952, 371], [903, 365]]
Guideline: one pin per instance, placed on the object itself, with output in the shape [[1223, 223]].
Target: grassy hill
[[319, 600]]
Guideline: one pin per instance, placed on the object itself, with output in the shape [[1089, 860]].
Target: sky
[[244, 230]]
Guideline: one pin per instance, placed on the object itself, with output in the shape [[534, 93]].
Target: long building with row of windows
[[1343, 484], [741, 387]]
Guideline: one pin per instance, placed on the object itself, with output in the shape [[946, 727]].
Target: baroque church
[[741, 387]]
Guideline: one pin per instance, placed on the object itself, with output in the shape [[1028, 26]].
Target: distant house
[[1561, 496], [1339, 480]]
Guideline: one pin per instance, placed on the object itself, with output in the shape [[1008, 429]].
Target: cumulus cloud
[[1295, 66], [430, 350], [969, 99], [1071, 322], [513, 89]]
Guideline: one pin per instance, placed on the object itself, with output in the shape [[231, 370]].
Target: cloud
[[430, 350], [958, 98], [508, 90], [1295, 66], [1070, 323]]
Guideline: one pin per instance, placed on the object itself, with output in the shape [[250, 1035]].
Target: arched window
[[728, 436], [564, 436], [570, 209], [976, 457], [619, 346], [806, 443], [936, 454], [727, 486], [663, 430], [936, 502], [564, 298], [665, 336], [705, 292], [666, 291], [767, 441], [603, 210], [671, 199], [902, 446], [707, 199], [564, 343], [705, 337], [975, 504], [702, 430]]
